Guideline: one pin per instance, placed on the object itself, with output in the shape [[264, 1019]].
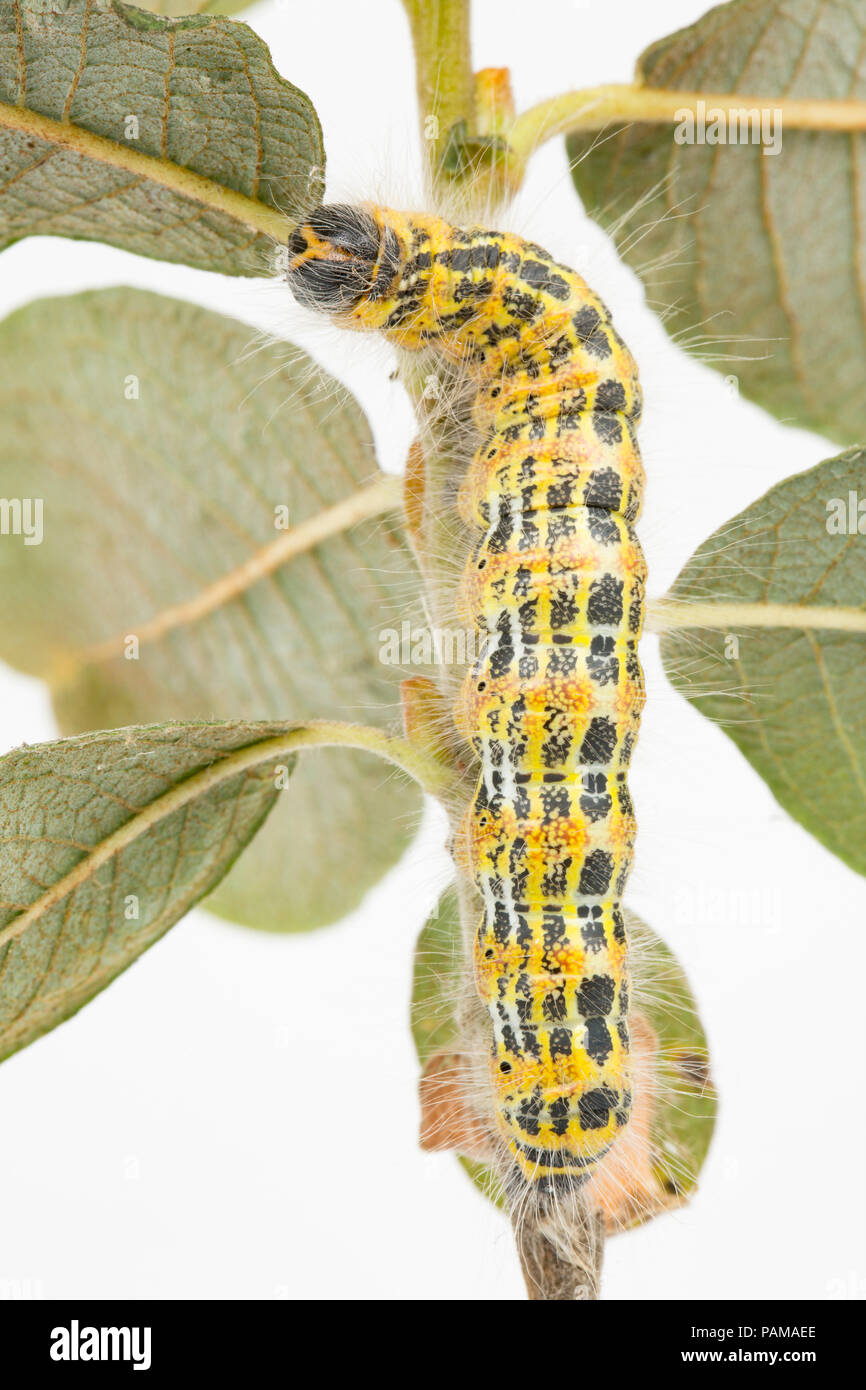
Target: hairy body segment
[[554, 585]]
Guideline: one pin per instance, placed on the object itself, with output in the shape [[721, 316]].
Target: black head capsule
[[339, 257]]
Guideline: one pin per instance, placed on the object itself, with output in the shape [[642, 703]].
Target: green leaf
[[173, 8], [436, 983], [159, 523], [173, 138], [684, 1113], [437, 979], [768, 637], [106, 840], [748, 254], [684, 1109]]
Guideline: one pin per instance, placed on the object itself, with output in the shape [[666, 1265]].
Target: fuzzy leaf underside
[[198, 94], [791, 698], [171, 9], [106, 840], [147, 502], [756, 261]]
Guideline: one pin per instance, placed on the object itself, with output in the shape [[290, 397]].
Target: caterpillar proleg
[[555, 586]]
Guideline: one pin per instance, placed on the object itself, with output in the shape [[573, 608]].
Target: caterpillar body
[[555, 585]]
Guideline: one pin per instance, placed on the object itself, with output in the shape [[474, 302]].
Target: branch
[[595, 107], [549, 1275], [664, 614], [432, 774], [443, 69]]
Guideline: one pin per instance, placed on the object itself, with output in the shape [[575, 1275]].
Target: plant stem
[[432, 774], [664, 614], [595, 107], [443, 71], [550, 1276]]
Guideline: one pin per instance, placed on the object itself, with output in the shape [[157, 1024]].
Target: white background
[[159, 1144]]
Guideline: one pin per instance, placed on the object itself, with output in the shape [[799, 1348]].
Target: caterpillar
[[555, 586]]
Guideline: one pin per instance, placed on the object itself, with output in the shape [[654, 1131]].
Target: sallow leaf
[[173, 138], [679, 1103], [165, 453], [752, 256], [685, 1102], [172, 8], [106, 840], [437, 980], [770, 640]]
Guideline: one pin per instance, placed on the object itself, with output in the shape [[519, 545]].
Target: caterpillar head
[[341, 259]]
